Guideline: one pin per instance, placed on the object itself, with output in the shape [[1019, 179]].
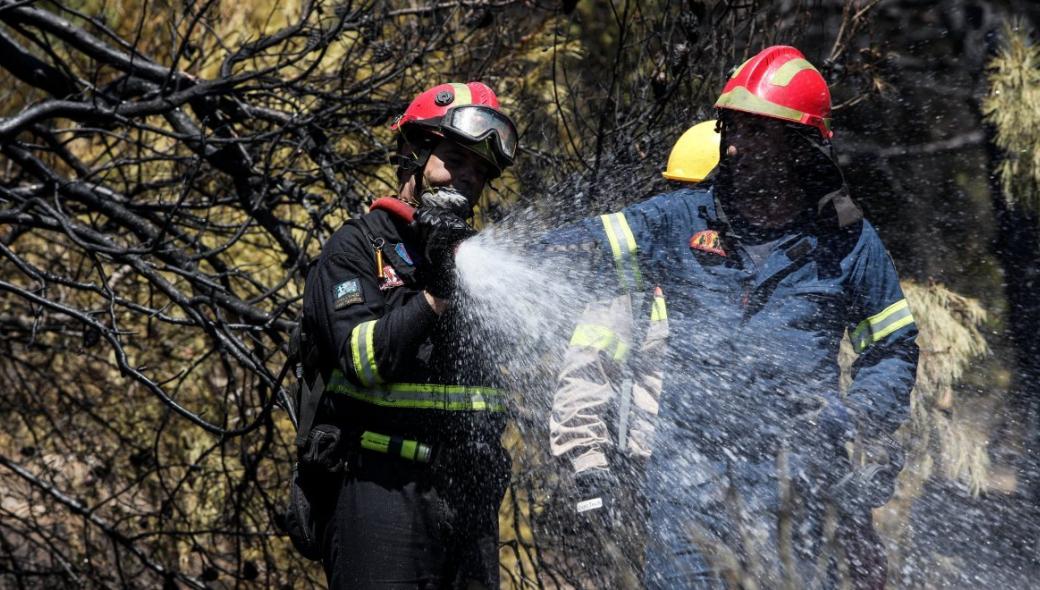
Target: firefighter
[[602, 423], [407, 429], [763, 274], [586, 439]]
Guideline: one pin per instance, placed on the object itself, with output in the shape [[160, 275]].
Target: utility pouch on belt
[[322, 450], [300, 523], [319, 453], [320, 464]]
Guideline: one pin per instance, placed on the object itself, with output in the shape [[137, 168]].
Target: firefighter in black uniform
[[410, 404]]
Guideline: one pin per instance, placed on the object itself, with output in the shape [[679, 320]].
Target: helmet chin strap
[[426, 195], [416, 163]]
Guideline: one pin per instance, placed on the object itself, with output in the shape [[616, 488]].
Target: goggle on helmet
[[467, 113]]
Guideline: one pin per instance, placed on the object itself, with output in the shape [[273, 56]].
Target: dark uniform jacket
[[393, 365]]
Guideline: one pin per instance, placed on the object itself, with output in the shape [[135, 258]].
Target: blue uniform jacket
[[753, 347]]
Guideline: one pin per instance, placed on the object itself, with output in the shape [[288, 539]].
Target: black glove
[[439, 232]]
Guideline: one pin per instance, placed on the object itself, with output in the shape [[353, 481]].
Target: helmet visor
[[474, 123]]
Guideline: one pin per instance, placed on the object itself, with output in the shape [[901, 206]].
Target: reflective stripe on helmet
[[787, 72], [463, 95], [423, 396], [740, 99]]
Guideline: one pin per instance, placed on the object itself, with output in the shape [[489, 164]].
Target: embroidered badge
[[707, 241], [347, 293], [390, 278], [403, 253]]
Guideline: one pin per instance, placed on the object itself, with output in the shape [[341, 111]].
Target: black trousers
[[396, 524]]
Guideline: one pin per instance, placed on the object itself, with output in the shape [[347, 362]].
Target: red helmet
[[780, 83], [468, 113]]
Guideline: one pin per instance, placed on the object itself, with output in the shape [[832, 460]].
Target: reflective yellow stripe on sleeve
[[877, 327], [362, 346], [658, 310], [599, 338], [623, 246]]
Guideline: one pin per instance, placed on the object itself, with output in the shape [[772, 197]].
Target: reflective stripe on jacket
[[602, 377]]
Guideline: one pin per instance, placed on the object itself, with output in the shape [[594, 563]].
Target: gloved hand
[[872, 480], [820, 438], [440, 232], [834, 422]]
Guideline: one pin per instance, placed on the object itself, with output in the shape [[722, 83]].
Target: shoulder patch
[[403, 253], [347, 293], [390, 279], [707, 241]]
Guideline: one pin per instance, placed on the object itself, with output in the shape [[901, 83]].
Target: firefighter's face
[[765, 189], [452, 165]]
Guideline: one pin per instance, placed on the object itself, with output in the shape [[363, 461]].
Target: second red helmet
[[781, 84]]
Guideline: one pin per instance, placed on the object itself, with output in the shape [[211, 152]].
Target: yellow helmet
[[695, 154]]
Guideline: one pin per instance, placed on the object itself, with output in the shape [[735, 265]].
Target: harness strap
[[310, 397]]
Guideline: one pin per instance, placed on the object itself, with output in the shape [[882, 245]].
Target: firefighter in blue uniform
[[606, 442], [759, 277]]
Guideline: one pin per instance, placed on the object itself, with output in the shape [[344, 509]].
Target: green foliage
[[951, 343], [1013, 108]]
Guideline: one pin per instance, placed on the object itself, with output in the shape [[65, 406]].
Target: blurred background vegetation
[[168, 168]]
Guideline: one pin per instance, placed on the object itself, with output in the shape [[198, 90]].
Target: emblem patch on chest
[[347, 293], [390, 278], [707, 241], [403, 253]]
